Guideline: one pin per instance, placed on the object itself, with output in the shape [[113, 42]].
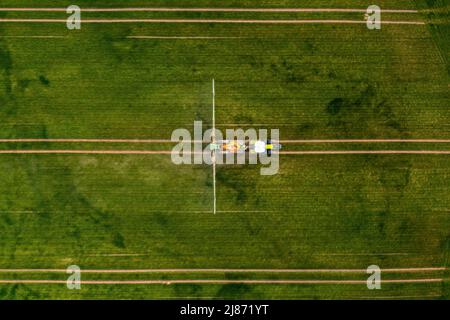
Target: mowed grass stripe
[[217, 270]]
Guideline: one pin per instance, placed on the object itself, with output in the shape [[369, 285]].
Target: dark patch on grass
[[253, 230], [200, 117], [335, 105], [304, 128], [117, 46], [161, 219], [288, 72], [55, 196], [6, 220], [381, 222], [118, 240], [232, 180], [233, 291], [11, 294], [29, 131], [293, 77], [432, 3], [209, 182], [75, 232], [190, 290], [394, 175], [5, 59], [98, 216], [309, 46], [332, 75], [18, 291], [3, 293], [367, 113], [6, 64], [241, 118], [44, 80], [23, 83]]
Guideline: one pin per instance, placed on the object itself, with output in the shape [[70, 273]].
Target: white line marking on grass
[[94, 140], [13, 140], [164, 152], [169, 282], [233, 21], [147, 211], [34, 37], [367, 141], [214, 141], [126, 152], [364, 152], [209, 10], [245, 211]]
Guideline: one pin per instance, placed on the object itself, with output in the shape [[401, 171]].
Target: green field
[[318, 81]]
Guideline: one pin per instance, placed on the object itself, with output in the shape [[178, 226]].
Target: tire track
[[163, 152], [194, 141], [292, 10], [219, 21], [169, 282], [367, 141], [92, 140], [331, 152]]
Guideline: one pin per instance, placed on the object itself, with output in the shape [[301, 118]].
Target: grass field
[[312, 81]]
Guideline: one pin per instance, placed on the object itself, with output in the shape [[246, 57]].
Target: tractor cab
[[264, 146]]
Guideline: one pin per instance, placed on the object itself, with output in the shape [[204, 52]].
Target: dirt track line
[[169, 282], [367, 141], [162, 152], [365, 152], [193, 141], [234, 21], [209, 10], [218, 270], [34, 37], [94, 140], [148, 152]]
